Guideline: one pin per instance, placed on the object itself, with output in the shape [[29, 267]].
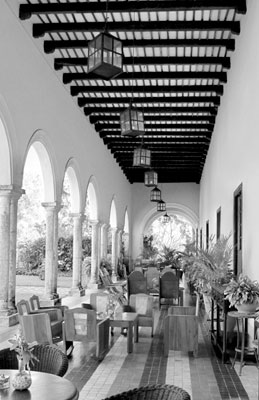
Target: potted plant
[[243, 293]]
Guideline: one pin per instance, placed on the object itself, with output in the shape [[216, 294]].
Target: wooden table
[[240, 347], [127, 320], [44, 387]]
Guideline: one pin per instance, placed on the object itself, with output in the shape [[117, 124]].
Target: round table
[[44, 387], [240, 348]]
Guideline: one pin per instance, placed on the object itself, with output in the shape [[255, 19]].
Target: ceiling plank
[[27, 10], [61, 62], [147, 117], [146, 109], [51, 45], [114, 127], [183, 133], [76, 90], [40, 29], [82, 101]]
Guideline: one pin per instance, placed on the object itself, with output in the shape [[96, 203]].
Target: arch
[[43, 149], [72, 172], [92, 197], [171, 208], [5, 157], [113, 214], [126, 222]]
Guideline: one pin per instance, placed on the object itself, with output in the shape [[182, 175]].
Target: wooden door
[[238, 220]]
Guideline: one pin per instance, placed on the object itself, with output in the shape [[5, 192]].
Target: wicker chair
[[51, 360], [155, 392]]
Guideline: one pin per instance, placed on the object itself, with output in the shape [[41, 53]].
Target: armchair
[[143, 305], [80, 324], [169, 292], [136, 283], [34, 302]]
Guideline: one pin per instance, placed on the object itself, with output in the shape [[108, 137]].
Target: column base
[[47, 302], [93, 286], [7, 320], [76, 291]]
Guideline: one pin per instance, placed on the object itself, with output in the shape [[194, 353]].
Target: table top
[[44, 387], [242, 314], [127, 316]]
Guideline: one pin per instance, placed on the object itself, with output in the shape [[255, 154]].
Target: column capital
[[52, 205], [76, 215], [13, 191], [94, 222]]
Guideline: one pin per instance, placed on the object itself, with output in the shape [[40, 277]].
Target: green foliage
[[202, 267], [170, 257], [242, 290]]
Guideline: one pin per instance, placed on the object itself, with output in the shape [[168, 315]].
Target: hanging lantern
[[155, 194], [141, 157], [132, 122], [165, 218], [105, 56], [161, 206], [151, 178]]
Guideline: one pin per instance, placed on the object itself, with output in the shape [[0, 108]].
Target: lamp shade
[[141, 157], [155, 194], [132, 122], [165, 218], [161, 206], [150, 178], [105, 56]]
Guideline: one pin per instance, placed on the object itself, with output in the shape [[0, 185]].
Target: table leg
[[242, 346], [136, 331], [130, 338]]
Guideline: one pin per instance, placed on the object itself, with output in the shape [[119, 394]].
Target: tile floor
[[204, 377]]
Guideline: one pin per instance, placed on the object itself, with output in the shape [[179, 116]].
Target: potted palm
[[243, 293]]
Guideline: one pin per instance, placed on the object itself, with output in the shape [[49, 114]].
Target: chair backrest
[[137, 283], [142, 304], [169, 286], [34, 302], [37, 327], [50, 359], [99, 302], [80, 324], [23, 307]]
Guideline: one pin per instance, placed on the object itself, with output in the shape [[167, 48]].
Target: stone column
[[77, 252], [16, 194], [51, 258], [104, 240], [94, 255], [5, 204], [114, 254]]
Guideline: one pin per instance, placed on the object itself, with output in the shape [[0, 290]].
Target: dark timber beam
[[51, 45], [159, 133], [136, 141], [113, 127], [68, 77], [27, 10], [59, 63], [147, 109], [40, 29], [82, 101], [76, 90], [184, 118]]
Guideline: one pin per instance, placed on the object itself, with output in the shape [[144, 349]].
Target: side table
[[240, 347]]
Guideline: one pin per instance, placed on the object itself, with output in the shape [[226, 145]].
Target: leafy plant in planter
[[242, 291], [203, 267]]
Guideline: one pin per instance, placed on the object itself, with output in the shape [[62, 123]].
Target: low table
[[44, 386], [127, 320]]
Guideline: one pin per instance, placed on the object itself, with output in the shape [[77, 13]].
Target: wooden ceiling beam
[[51, 45], [68, 77], [76, 90], [151, 110], [150, 126], [40, 29], [126, 142], [83, 101], [103, 133], [27, 10], [184, 118], [62, 62]]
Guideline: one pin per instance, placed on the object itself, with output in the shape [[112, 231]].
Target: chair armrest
[[88, 306], [54, 314]]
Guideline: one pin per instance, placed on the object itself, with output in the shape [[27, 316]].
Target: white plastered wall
[[233, 156], [35, 99]]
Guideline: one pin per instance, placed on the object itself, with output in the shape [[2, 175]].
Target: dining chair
[[81, 324], [38, 327], [169, 292], [142, 304], [51, 359], [136, 283]]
